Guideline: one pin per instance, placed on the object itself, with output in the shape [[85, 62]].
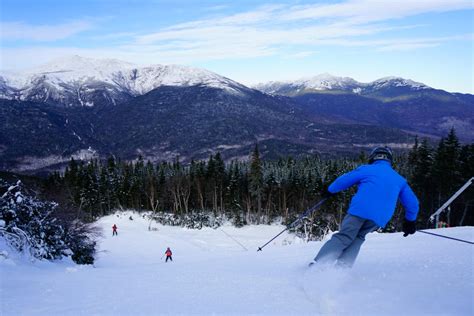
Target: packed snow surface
[[213, 274]]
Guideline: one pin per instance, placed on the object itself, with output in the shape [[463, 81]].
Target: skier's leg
[[171, 258], [333, 248], [349, 255], [166, 259]]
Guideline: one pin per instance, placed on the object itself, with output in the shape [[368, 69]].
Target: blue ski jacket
[[379, 188]]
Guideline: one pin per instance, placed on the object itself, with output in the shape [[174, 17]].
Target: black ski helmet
[[381, 153]]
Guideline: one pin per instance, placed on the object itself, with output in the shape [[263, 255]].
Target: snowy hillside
[[397, 82], [213, 273], [327, 82], [74, 81], [320, 82]]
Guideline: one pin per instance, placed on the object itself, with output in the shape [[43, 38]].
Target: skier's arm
[[346, 180], [409, 202]]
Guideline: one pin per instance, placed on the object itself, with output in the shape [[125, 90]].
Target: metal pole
[[234, 239], [306, 213], [437, 235], [451, 199]]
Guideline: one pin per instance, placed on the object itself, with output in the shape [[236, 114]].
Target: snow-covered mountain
[[320, 82], [83, 81], [330, 83], [396, 82], [163, 112]]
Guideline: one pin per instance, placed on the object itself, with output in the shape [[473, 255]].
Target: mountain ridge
[[166, 112], [328, 83], [74, 81]]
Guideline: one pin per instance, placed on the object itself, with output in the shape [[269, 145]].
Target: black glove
[[326, 194], [409, 227]]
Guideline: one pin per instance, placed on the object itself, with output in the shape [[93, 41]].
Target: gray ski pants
[[344, 246]]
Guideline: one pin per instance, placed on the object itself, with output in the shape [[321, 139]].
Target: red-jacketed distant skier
[[114, 230], [168, 254]]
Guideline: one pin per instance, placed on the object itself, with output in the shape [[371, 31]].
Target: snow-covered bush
[[81, 238], [28, 225], [193, 221], [239, 220], [316, 228]]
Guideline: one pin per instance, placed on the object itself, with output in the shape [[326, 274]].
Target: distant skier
[[379, 188], [168, 254], [114, 230]]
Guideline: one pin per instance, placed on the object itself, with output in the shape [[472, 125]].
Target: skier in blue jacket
[[379, 188]]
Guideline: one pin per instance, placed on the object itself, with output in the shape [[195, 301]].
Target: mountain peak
[[77, 76], [391, 81], [81, 64], [322, 82], [328, 82]]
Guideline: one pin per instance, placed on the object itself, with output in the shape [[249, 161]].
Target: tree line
[[259, 191]]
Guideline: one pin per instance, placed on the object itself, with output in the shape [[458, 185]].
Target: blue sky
[[429, 41]]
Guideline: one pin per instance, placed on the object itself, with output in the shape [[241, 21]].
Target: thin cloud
[[277, 27], [114, 36], [366, 11], [42, 33], [406, 46], [271, 30], [216, 8], [303, 54], [400, 44]]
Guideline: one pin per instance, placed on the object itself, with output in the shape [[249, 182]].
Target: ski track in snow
[[212, 274]]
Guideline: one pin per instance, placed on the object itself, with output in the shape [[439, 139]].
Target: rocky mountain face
[[79, 81], [85, 108], [392, 101], [326, 83], [169, 122]]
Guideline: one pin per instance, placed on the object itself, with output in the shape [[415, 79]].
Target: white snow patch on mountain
[[29, 163], [77, 72], [398, 82], [327, 81]]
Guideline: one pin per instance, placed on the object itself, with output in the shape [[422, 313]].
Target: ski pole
[[233, 239], [442, 236], [293, 224]]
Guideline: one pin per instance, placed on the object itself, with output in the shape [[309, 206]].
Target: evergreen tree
[[259, 191], [446, 172], [256, 180], [29, 225], [421, 178]]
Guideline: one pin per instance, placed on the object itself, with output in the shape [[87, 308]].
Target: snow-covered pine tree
[[28, 225], [81, 239], [256, 180]]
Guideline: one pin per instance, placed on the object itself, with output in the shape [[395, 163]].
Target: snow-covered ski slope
[[213, 275]]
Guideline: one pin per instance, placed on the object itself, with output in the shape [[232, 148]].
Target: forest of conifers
[[260, 191]]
